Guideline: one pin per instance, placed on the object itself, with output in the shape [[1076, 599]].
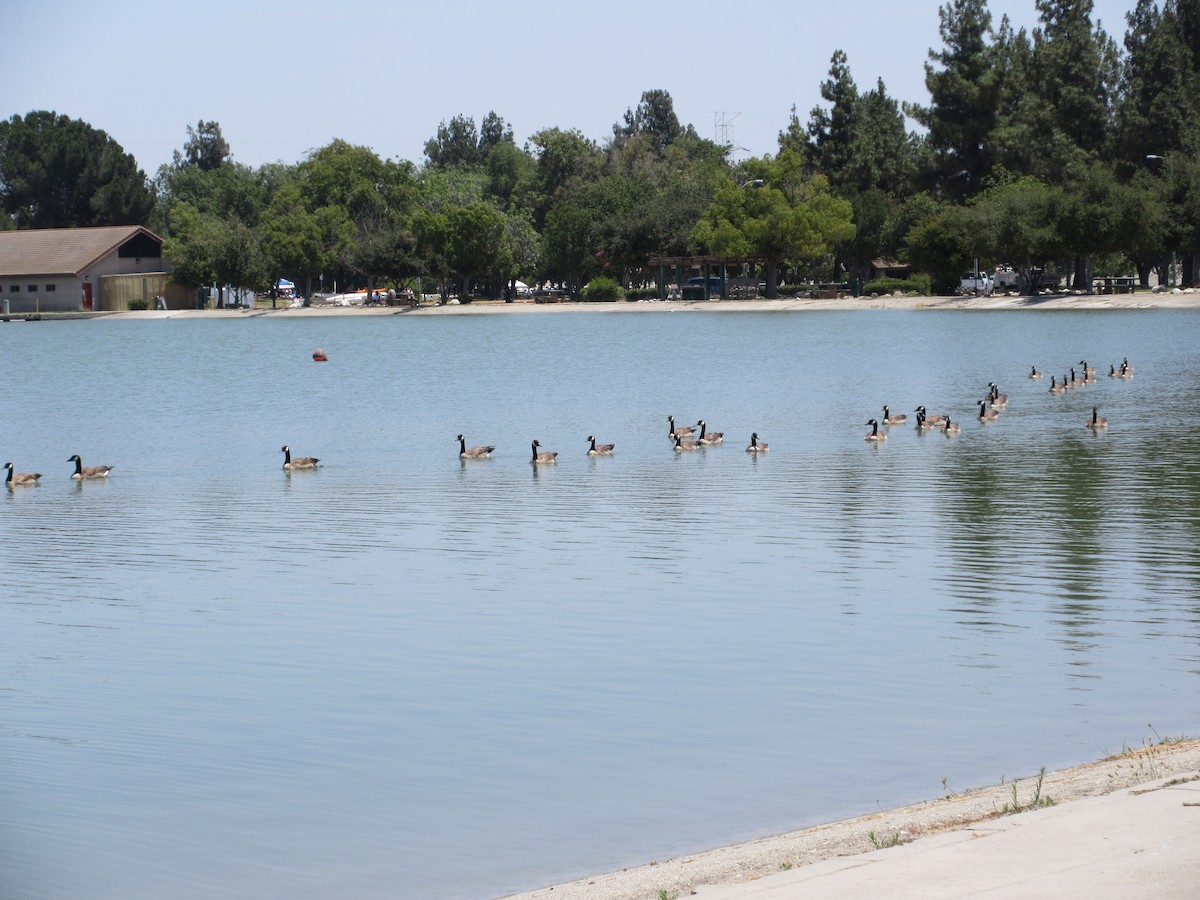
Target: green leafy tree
[[943, 242], [205, 148], [232, 191], [291, 238], [564, 159], [477, 243], [455, 144], [364, 206], [510, 176], [569, 242], [653, 117], [492, 133], [786, 217], [57, 172], [1023, 221]]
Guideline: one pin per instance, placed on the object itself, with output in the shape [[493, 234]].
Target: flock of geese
[[681, 435], [81, 473], [684, 436], [991, 405]]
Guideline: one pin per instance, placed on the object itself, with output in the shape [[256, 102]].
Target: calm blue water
[[403, 675]]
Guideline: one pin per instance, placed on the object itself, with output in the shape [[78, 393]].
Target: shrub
[[643, 293], [139, 303], [913, 284], [602, 289]]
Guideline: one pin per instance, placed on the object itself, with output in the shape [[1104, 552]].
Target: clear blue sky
[[284, 78]]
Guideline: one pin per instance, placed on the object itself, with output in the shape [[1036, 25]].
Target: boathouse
[[69, 269]]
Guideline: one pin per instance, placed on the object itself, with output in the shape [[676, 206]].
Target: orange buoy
[[319, 355]]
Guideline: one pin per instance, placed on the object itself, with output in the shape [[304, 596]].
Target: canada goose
[[682, 444], [1034, 373], [995, 398], [1075, 381], [923, 423], [16, 478], [756, 446], [889, 419], [875, 434], [681, 431], [1097, 421], [481, 452], [600, 449], [1126, 367], [985, 414], [82, 471], [1055, 387], [545, 457], [1112, 371], [1069, 381], [709, 437], [949, 427], [1089, 374], [300, 462], [928, 420]]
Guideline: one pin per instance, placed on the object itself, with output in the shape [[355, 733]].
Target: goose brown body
[[20, 478], [600, 449], [482, 451], [755, 445], [292, 464], [681, 431], [709, 437], [544, 457], [82, 471]]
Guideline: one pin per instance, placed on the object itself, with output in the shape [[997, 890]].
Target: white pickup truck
[[975, 283]]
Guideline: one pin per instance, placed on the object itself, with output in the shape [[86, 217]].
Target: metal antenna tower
[[724, 128]]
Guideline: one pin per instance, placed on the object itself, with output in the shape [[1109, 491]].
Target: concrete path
[[1133, 843]]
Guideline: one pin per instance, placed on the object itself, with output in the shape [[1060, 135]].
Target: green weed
[[1037, 801], [882, 842]]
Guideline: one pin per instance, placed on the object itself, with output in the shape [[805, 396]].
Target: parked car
[[693, 288]]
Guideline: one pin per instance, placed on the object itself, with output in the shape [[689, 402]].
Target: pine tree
[[964, 83]]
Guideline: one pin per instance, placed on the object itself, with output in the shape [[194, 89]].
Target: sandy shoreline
[[753, 861], [1181, 299]]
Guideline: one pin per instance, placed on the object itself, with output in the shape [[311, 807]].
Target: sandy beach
[[1088, 812], [1187, 298]]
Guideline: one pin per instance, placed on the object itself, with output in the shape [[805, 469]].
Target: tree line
[[1057, 151]]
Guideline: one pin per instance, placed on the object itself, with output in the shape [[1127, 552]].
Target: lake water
[[403, 675]]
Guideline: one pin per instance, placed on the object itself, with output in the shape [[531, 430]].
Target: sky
[[286, 78]]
